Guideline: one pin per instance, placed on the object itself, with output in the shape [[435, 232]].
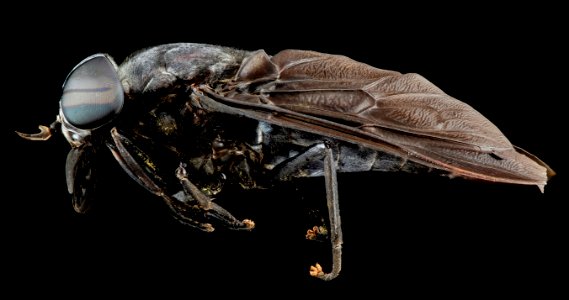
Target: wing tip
[[513, 166], [549, 172]]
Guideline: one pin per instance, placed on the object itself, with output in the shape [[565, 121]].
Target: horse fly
[[187, 120]]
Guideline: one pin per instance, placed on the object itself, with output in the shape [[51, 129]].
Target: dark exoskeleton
[[183, 120]]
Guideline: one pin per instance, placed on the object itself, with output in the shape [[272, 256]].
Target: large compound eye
[[92, 93]]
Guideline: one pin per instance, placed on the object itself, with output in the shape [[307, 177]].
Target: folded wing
[[402, 114]]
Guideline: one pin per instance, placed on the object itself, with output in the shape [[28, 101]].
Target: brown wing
[[402, 114]]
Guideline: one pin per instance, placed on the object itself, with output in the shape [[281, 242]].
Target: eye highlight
[[92, 93]]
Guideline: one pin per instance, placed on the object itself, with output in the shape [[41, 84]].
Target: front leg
[[190, 206]]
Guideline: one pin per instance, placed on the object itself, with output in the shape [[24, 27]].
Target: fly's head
[[92, 97]]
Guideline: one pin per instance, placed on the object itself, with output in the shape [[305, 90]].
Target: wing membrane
[[403, 114]]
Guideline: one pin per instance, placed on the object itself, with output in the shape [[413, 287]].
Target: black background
[[404, 234]]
